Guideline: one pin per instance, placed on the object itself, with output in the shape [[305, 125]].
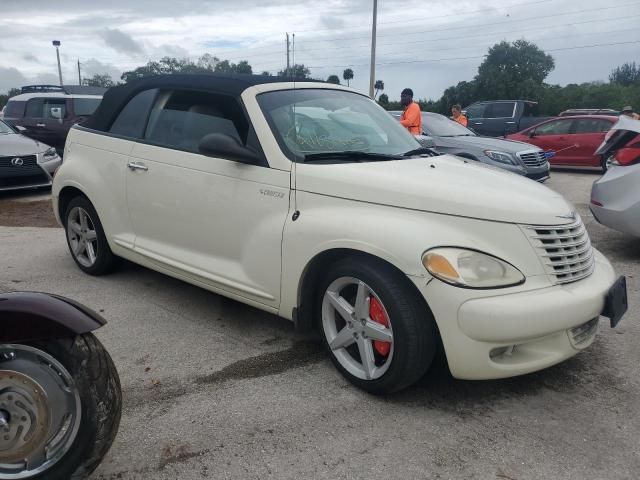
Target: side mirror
[[225, 146], [56, 112]]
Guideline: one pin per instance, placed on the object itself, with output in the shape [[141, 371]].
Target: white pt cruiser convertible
[[309, 201]]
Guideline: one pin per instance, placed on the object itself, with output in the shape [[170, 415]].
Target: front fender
[[28, 316]]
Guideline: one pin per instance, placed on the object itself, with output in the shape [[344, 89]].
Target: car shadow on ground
[[287, 349]]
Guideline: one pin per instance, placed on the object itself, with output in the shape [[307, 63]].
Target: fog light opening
[[502, 352]]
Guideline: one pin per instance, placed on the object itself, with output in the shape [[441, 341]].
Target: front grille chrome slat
[[565, 250], [533, 158]]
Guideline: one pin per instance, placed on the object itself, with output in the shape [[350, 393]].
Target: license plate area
[[616, 303]]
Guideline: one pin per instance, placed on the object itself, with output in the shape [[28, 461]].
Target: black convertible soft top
[[116, 98]]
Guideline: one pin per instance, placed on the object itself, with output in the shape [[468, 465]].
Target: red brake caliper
[[378, 315]]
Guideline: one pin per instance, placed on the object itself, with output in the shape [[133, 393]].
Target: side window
[[476, 111], [558, 127], [35, 106], [500, 110], [15, 109], [132, 120], [181, 118], [54, 108], [530, 109]]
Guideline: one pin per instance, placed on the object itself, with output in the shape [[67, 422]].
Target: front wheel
[[60, 405], [378, 331]]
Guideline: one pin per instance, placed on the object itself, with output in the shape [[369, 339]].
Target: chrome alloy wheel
[[40, 411], [82, 236], [357, 328]]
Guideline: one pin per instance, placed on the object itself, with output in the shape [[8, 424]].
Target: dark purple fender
[[26, 316]]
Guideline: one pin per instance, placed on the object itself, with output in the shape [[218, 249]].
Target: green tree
[[513, 70], [333, 79], [626, 74], [227, 67], [384, 100], [99, 80], [347, 75], [169, 65], [296, 72], [266, 73], [379, 86], [13, 92]]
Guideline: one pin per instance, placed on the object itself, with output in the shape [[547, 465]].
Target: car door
[[475, 116], [555, 136], [44, 117], [499, 118], [210, 220], [588, 134]]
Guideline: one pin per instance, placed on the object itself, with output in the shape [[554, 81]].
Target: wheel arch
[[303, 314], [28, 316], [65, 196]]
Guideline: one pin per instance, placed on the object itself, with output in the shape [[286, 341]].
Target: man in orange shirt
[[456, 115], [411, 118]]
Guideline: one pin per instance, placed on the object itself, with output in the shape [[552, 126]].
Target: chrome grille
[[565, 250], [533, 158]]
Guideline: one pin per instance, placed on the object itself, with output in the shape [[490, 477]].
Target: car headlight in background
[[50, 154], [502, 157], [469, 268]]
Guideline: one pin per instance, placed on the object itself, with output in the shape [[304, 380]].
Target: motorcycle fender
[[27, 316]]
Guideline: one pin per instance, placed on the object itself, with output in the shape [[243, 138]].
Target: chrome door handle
[[511, 123], [40, 125], [137, 166], [477, 123]]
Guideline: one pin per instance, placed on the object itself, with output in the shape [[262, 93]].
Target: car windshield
[[313, 122], [85, 106], [5, 129], [440, 126]]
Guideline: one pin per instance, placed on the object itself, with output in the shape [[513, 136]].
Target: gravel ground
[[216, 389]]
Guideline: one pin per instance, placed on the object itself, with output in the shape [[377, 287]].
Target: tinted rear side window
[[500, 110], [42, 108], [476, 111], [15, 109], [591, 125], [132, 120], [83, 107]]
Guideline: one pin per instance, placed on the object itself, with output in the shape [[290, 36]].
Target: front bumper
[[494, 334], [39, 175]]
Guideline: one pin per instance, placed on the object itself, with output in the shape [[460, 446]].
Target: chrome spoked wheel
[[357, 328], [40, 411], [82, 236]]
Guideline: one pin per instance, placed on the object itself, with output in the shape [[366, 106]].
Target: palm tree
[[379, 86], [347, 75]]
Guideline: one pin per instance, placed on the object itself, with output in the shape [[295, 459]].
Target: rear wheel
[[378, 332], [60, 405], [86, 239]]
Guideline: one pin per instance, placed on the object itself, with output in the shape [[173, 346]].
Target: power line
[[463, 27]]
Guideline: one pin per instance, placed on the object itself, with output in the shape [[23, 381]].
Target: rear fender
[[27, 316]]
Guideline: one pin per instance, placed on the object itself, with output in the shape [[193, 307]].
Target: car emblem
[[569, 216], [17, 162]]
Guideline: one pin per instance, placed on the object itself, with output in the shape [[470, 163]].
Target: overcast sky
[[427, 45]]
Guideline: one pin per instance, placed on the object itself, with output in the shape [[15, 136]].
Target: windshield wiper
[[355, 155], [420, 151]]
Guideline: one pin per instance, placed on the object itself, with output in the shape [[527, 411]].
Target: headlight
[[502, 157], [49, 154], [471, 269]]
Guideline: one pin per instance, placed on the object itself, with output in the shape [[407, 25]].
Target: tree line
[[518, 70]]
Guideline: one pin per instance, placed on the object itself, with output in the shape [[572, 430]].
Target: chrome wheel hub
[[39, 411], [82, 236], [357, 328]]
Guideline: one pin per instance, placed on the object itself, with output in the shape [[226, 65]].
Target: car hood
[[16, 144], [486, 143], [443, 184]]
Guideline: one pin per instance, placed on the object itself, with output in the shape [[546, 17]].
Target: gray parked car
[[447, 136], [24, 162]]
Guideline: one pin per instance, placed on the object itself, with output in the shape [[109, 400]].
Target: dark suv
[[47, 112]]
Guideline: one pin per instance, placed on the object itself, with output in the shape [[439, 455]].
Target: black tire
[[105, 261], [414, 328], [98, 383]]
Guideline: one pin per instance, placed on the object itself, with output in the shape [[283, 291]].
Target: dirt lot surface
[[214, 389], [30, 208]]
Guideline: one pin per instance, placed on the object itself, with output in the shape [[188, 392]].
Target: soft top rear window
[[85, 106]]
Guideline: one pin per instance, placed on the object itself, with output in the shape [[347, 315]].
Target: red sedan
[[574, 140]]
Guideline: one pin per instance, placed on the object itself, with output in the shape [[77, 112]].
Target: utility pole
[[372, 79], [79, 76], [288, 49], [56, 43]]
